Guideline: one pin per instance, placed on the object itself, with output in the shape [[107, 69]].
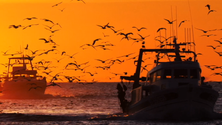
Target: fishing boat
[[21, 80], [173, 89]]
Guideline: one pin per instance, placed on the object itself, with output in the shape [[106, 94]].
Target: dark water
[[80, 104]]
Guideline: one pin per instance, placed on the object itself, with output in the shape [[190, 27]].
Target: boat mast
[[137, 73], [8, 68], [136, 76], [177, 50]]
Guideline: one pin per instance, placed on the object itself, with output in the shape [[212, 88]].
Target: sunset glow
[[77, 23]]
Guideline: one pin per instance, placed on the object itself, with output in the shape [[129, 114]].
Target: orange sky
[[79, 26]]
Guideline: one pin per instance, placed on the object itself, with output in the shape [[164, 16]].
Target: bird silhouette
[[34, 52], [219, 53], [62, 9], [91, 74], [210, 11], [170, 22], [105, 26], [58, 60], [162, 28], [205, 31], [217, 73], [27, 46], [132, 58], [71, 79], [115, 31], [30, 57], [30, 18], [35, 87], [82, 1], [116, 73], [143, 38], [54, 84], [182, 22], [103, 61], [213, 46], [15, 26], [47, 73], [116, 60], [87, 45], [199, 54], [47, 20], [55, 77], [104, 67], [84, 63], [47, 41], [161, 46], [72, 63], [29, 26], [63, 52], [52, 31], [94, 41], [126, 35], [53, 25], [218, 41], [5, 65], [208, 35], [161, 41], [208, 6], [139, 29], [165, 39], [127, 55], [71, 56], [144, 67], [56, 4]]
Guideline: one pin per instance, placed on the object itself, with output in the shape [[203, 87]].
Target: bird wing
[[95, 41], [208, 6], [181, 23], [167, 20], [160, 29]]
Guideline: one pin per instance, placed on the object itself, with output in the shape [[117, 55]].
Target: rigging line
[[165, 37], [172, 20], [176, 23], [185, 37], [191, 25], [170, 25]]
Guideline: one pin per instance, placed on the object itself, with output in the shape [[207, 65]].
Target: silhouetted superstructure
[[21, 80], [173, 89]]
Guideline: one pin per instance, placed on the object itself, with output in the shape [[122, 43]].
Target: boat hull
[[24, 88], [184, 103]]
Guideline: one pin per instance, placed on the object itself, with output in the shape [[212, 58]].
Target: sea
[[82, 104]]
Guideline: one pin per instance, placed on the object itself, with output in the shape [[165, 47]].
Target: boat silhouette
[[21, 80], [173, 89]]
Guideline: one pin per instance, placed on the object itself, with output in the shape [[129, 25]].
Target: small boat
[[172, 90], [21, 80]]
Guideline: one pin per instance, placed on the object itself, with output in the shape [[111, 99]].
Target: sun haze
[[70, 27]]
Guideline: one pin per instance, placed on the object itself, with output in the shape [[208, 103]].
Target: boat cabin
[[175, 74], [20, 67], [168, 75]]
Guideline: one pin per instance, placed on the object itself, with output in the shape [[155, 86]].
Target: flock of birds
[[46, 67]]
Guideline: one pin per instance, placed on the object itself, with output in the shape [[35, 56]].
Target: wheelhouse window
[[155, 76], [167, 74], [180, 73], [158, 75], [151, 77], [194, 73]]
